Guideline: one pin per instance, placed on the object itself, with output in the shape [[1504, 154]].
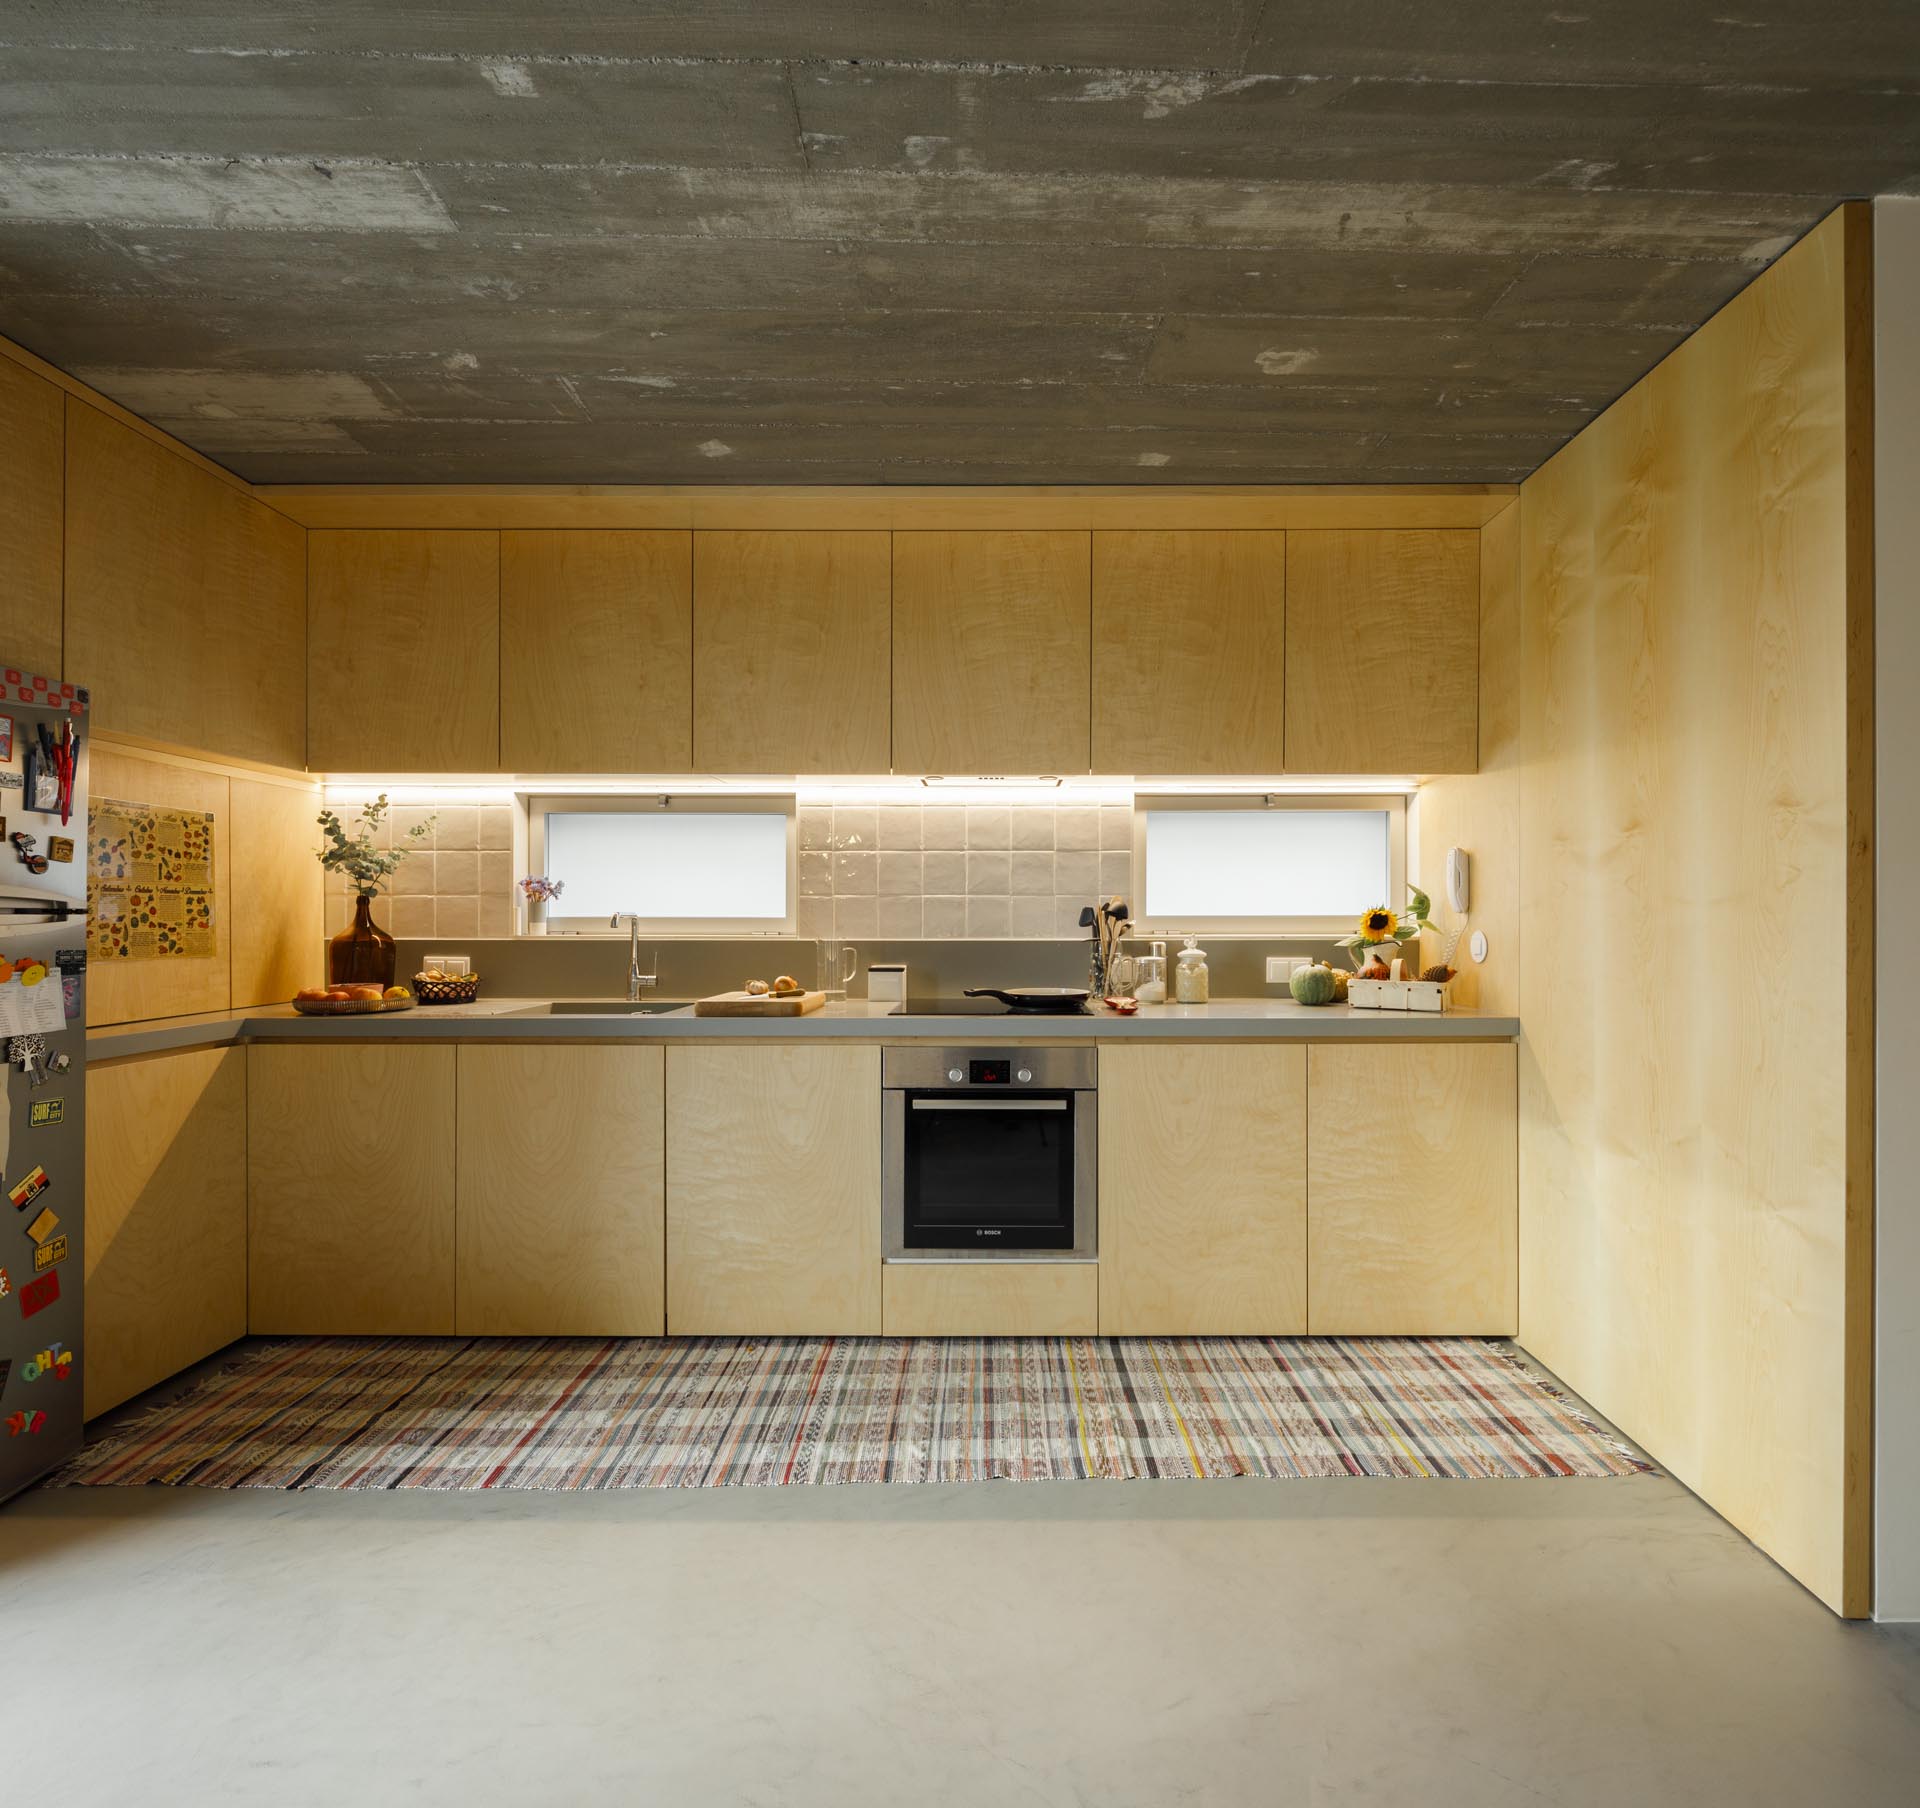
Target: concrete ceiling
[[914, 241]]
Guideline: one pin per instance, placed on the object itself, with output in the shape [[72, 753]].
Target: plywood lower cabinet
[[166, 1242], [1203, 1189], [561, 1191], [773, 1190], [350, 1189], [991, 1299], [1412, 1189]]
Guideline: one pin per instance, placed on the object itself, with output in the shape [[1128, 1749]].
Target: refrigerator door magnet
[[43, 1113], [35, 1296], [49, 1253], [44, 1226], [6, 737], [28, 1188], [55, 1360]]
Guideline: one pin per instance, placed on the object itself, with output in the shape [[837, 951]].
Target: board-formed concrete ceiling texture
[[912, 241]]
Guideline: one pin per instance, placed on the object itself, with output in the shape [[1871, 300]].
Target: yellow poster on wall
[[149, 882]]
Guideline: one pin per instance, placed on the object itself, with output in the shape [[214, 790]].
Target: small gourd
[[1312, 985]]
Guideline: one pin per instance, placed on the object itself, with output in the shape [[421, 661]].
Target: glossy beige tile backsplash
[[866, 870], [978, 870], [459, 882]]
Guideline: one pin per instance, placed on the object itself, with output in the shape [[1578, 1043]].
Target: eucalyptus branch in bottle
[[367, 867]]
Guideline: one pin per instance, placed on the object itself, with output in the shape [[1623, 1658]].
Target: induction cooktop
[[975, 1007]]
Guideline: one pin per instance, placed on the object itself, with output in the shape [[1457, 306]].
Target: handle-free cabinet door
[[596, 651], [562, 1182], [166, 1242], [186, 598], [792, 652], [350, 1177], [992, 639], [1413, 1203], [32, 450], [403, 650], [1189, 668], [1383, 650], [1203, 1190], [773, 1190]]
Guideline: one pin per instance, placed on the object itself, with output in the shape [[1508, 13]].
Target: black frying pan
[[1061, 999]]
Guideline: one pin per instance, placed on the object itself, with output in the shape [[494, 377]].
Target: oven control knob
[[955, 1075], [1024, 1075]]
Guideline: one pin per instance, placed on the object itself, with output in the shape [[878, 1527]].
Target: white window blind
[[683, 868], [1219, 864]]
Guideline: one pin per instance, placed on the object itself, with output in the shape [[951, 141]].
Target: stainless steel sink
[[600, 1007]]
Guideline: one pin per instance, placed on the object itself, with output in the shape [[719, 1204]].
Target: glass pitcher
[[835, 963]]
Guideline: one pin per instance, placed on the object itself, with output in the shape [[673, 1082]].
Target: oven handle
[[989, 1104]]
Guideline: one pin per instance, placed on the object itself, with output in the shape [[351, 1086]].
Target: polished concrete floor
[[1483, 1643]]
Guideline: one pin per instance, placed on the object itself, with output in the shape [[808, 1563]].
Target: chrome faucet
[[637, 982]]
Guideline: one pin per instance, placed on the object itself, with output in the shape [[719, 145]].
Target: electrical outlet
[[1279, 969]]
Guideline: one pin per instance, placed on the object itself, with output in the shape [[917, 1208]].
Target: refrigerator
[[43, 1034]]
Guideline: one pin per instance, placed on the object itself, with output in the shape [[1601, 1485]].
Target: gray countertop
[[526, 1019]]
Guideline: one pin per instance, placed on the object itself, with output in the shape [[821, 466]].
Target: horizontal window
[[1265, 866], [683, 865]]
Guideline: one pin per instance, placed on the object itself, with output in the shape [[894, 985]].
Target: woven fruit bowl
[[462, 990], [349, 1007]]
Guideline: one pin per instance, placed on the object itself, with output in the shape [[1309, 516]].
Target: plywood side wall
[[1480, 811], [1695, 1192], [269, 905]]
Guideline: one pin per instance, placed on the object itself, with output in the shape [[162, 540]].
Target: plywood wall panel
[[1480, 811], [127, 991], [185, 599], [32, 483], [1695, 1172], [279, 893]]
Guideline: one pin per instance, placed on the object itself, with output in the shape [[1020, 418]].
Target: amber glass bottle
[[363, 953]]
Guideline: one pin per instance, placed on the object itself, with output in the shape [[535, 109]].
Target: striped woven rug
[[706, 1412]]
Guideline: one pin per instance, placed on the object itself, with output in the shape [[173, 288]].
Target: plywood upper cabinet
[[992, 644], [773, 1190], [596, 651], [1413, 1190], [185, 598], [792, 643], [403, 658], [166, 1243], [350, 1178], [32, 442], [562, 1176], [1189, 667], [1383, 642], [1203, 1190]]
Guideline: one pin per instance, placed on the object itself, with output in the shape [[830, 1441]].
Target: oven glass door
[[989, 1172]]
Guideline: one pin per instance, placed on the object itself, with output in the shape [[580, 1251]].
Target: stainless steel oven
[[989, 1154]]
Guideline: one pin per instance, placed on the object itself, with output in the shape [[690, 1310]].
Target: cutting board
[[758, 1004]]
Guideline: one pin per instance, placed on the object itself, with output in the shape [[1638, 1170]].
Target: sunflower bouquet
[[1381, 925]]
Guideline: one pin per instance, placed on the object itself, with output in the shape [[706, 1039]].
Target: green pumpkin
[[1311, 985]]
